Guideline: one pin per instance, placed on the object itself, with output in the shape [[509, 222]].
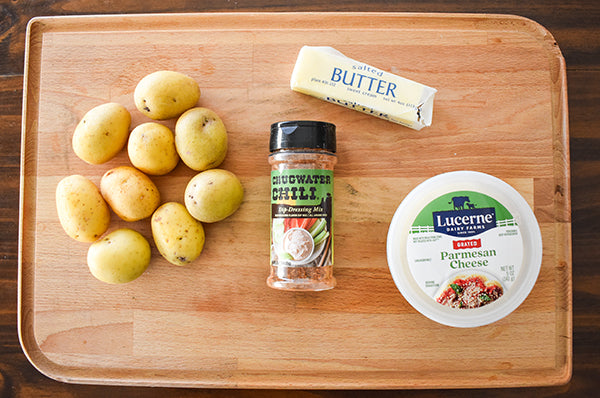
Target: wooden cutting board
[[501, 108]]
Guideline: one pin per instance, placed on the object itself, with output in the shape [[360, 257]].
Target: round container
[[464, 248]]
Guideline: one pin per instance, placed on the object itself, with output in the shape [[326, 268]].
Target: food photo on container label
[[464, 248]]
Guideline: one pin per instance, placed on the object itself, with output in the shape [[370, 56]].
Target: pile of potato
[[200, 141]]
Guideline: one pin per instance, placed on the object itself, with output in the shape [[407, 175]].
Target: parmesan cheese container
[[464, 249]]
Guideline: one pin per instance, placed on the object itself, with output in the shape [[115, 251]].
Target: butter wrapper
[[327, 74]]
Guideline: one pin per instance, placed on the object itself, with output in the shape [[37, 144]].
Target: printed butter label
[[301, 217], [465, 249], [327, 74]]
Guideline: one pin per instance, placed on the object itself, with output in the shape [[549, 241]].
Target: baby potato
[[119, 257], [213, 195], [179, 237], [201, 139], [166, 94], [102, 133], [83, 213], [151, 148], [130, 193]]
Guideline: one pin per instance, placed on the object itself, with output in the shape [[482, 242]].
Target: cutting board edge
[[55, 371]]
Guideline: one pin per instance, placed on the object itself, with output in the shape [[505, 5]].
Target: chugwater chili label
[[301, 217]]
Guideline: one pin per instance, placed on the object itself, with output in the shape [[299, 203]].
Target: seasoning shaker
[[302, 158]]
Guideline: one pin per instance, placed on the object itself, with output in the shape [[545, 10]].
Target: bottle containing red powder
[[302, 159]]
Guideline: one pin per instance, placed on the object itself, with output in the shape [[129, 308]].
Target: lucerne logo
[[465, 219]]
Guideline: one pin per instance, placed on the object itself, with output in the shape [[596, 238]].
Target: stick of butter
[[327, 74]]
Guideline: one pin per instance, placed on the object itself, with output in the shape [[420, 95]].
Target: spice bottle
[[302, 157]]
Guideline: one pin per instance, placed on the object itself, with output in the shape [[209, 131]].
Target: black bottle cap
[[302, 134]]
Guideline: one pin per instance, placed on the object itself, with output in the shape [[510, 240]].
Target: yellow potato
[[201, 139], [213, 195], [178, 236], [102, 133], [151, 148], [130, 193], [83, 213], [166, 94], [119, 257]]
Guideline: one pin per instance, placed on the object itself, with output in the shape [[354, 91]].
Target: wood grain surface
[[19, 378], [222, 326]]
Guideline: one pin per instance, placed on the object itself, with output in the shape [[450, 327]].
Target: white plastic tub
[[464, 248]]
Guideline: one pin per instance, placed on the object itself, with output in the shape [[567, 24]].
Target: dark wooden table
[[575, 26]]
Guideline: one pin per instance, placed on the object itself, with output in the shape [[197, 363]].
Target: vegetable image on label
[[300, 241]]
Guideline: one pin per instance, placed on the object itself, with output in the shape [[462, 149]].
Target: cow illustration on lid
[[459, 203]]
